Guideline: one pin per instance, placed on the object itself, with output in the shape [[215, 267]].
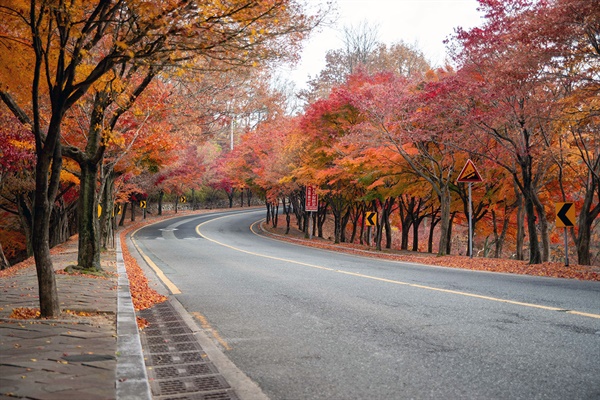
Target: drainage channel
[[178, 368]]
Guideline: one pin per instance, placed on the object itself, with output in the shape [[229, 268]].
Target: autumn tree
[[363, 51], [516, 64], [71, 47]]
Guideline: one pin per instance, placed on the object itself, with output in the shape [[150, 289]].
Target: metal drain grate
[[189, 385], [170, 347], [178, 367], [190, 346], [183, 371], [160, 331], [175, 358], [226, 395]]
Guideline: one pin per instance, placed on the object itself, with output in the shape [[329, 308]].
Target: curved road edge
[[244, 387]]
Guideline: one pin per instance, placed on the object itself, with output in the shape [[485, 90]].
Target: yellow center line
[[395, 282], [170, 285]]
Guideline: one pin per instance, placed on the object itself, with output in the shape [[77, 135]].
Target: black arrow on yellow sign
[[370, 218], [565, 215]]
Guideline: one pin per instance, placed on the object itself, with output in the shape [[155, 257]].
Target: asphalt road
[[311, 324]]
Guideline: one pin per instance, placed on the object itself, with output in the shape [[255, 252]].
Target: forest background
[[109, 106]]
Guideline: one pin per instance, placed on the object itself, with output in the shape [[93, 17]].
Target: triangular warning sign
[[469, 173]]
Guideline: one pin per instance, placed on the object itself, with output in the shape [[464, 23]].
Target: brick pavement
[[73, 357]]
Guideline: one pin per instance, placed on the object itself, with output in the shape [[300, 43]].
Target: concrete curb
[[131, 377]]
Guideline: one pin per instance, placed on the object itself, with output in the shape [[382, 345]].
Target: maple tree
[[72, 47], [16, 163], [520, 85], [521, 101]]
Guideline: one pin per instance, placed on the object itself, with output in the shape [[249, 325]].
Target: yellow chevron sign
[[370, 218], [565, 215]]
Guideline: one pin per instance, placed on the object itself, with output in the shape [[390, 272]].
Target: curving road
[[311, 324]]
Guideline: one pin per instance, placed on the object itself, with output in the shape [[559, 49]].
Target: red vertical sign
[[312, 200]]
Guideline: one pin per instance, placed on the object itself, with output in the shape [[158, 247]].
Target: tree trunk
[[45, 190], [132, 210], [59, 223], [434, 222], [543, 223], [450, 226], [338, 208], [388, 207], [585, 221], [4, 264], [287, 210], [345, 220], [321, 218], [25, 208], [337, 223], [108, 203], [499, 238], [355, 217], [230, 195], [268, 205], [123, 214], [362, 226], [88, 256], [444, 244], [161, 196], [416, 224], [520, 240], [535, 256]]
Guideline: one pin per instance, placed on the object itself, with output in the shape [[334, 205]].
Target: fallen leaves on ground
[[80, 313], [142, 323], [142, 295], [24, 313], [548, 269], [30, 262]]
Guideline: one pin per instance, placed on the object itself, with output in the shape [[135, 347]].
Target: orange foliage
[[24, 313], [141, 294]]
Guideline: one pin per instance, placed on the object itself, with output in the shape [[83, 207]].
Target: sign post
[[565, 218], [311, 204], [469, 174], [370, 221], [143, 205]]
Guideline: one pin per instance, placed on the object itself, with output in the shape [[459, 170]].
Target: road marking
[[395, 282], [170, 285], [167, 282], [208, 327], [583, 314]]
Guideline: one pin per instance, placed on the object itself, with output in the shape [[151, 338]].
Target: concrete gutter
[[132, 379]]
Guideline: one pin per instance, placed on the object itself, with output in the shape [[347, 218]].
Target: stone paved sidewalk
[[73, 357]]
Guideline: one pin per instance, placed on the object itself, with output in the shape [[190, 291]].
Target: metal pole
[[231, 135], [566, 249], [470, 223], [310, 225]]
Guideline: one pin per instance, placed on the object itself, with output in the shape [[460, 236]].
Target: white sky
[[425, 23]]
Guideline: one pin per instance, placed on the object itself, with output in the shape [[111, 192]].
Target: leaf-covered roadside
[[30, 262], [142, 295], [548, 269]]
